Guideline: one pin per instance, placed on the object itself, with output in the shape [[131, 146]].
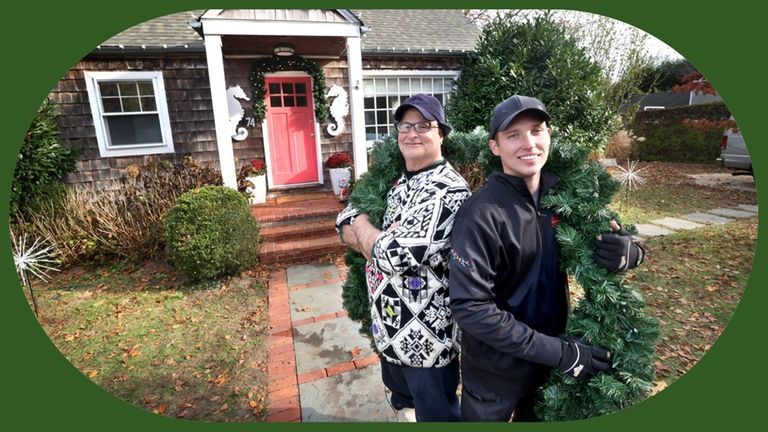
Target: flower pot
[[259, 192], [339, 176]]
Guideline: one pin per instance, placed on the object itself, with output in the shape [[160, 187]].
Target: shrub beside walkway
[[320, 367]]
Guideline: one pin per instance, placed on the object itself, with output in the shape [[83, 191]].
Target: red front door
[[291, 128]]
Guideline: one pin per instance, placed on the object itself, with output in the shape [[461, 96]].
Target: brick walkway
[[320, 368]]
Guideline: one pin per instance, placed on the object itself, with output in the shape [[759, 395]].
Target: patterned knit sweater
[[407, 276]]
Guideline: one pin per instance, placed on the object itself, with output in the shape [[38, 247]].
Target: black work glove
[[581, 360], [617, 251]]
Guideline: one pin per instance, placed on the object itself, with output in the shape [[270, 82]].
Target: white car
[[733, 152]]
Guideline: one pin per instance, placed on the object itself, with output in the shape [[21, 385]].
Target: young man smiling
[[407, 269], [508, 295]]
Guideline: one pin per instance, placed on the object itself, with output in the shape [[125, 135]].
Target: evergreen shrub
[[210, 232]]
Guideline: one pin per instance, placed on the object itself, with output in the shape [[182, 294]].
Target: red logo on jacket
[[555, 220]]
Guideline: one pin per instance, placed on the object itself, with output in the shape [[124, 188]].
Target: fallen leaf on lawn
[[92, 373], [160, 409], [661, 385], [253, 403], [120, 378], [220, 410], [221, 379]]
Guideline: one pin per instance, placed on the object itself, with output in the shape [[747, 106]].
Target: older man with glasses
[[407, 269]]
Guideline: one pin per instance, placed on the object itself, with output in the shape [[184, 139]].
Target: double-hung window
[[130, 113], [384, 90]]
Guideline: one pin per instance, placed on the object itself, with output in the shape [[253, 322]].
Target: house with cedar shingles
[[290, 87]]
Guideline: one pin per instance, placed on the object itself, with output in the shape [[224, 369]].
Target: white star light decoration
[[630, 176], [32, 259]]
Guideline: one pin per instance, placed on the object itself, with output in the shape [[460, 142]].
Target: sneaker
[[406, 415]]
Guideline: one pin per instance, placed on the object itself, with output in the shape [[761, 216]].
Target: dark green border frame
[[41, 390]]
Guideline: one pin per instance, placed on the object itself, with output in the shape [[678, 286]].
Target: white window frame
[[94, 96], [401, 74]]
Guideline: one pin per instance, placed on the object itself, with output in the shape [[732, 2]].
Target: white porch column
[[220, 110], [357, 118]]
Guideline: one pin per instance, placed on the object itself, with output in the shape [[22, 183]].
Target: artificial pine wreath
[[292, 63], [610, 315]]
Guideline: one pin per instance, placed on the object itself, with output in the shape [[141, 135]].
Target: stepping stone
[[706, 218], [327, 343], [354, 396], [748, 207], [676, 224], [312, 302], [731, 213], [648, 230], [304, 274]]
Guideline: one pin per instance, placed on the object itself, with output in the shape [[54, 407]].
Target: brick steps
[[290, 230], [299, 231], [300, 250]]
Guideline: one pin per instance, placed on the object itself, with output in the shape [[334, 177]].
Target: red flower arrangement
[[257, 167], [339, 160]]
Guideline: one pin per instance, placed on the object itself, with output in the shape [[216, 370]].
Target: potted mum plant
[[252, 180], [339, 165]]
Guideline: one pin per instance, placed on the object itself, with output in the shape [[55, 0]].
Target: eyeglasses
[[421, 127]]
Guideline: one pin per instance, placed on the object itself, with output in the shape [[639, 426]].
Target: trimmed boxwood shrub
[[210, 232]]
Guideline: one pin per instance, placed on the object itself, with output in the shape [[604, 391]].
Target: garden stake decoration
[[630, 178], [33, 259]]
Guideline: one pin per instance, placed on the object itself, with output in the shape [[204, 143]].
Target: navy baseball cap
[[428, 106], [506, 111]]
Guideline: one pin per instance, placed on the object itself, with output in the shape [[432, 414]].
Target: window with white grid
[[130, 113], [383, 94]]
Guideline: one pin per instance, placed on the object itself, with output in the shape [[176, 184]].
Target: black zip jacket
[[507, 294]]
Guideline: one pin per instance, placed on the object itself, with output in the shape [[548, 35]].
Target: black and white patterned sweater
[[407, 276]]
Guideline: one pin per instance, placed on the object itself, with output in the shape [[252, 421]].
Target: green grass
[[146, 336], [692, 282]]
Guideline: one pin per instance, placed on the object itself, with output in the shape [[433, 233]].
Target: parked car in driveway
[[733, 152]]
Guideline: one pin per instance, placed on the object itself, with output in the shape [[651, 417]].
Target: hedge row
[[668, 139]]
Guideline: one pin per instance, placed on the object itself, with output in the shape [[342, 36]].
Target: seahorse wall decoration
[[236, 112], [339, 109]]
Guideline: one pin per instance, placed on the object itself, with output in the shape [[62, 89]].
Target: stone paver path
[[320, 367], [670, 225]]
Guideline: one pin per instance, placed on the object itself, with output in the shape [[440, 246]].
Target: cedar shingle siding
[[189, 105]]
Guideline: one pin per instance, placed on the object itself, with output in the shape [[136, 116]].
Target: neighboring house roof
[[660, 99], [442, 31], [391, 31]]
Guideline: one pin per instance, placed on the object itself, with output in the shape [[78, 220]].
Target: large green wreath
[[292, 63]]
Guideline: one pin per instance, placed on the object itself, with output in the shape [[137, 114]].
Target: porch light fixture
[[284, 50]]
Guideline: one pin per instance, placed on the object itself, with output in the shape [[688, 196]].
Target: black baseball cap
[[506, 111], [428, 106]]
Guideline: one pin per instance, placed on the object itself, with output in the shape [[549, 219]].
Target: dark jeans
[[431, 391], [478, 405]]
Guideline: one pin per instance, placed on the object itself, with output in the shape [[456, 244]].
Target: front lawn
[[692, 282], [150, 338]]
